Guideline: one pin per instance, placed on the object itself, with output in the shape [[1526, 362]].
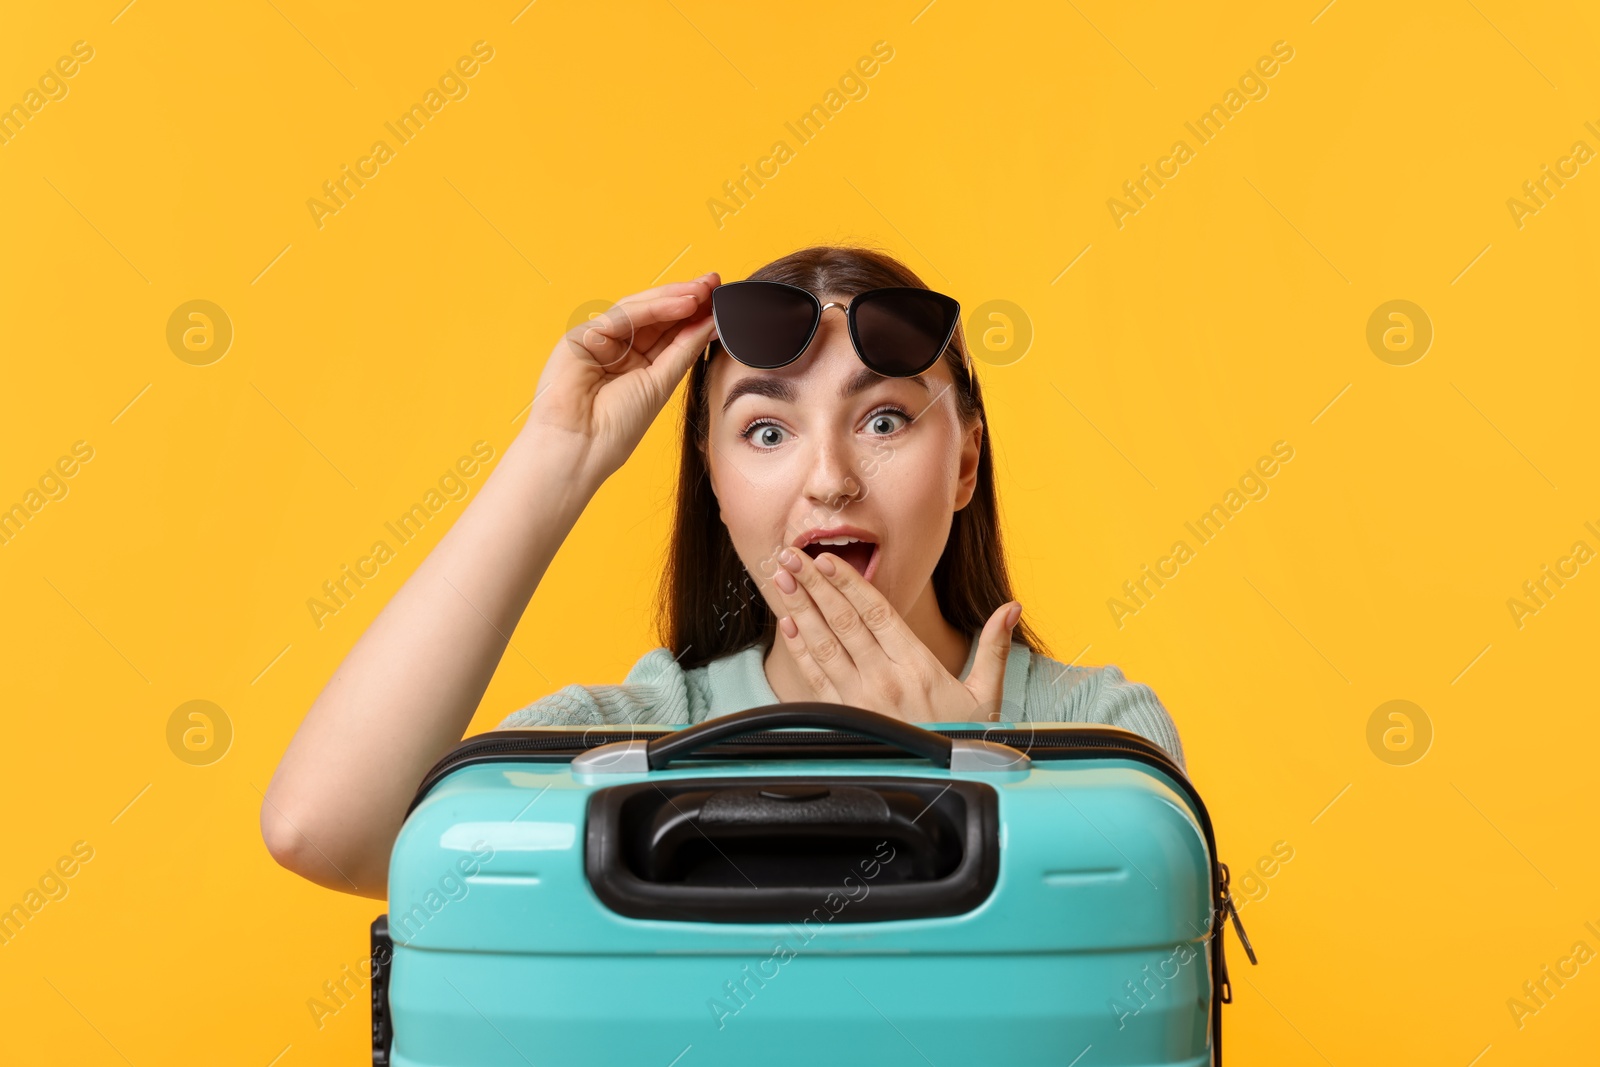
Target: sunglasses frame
[[850, 321]]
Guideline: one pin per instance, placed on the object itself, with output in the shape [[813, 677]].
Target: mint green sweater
[[657, 691]]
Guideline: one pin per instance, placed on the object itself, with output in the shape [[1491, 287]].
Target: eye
[[766, 435], [886, 421]]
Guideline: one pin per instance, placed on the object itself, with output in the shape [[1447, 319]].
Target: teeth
[[836, 540]]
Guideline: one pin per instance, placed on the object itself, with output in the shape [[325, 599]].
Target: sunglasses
[[898, 331]]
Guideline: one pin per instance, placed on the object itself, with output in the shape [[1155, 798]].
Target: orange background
[[1169, 353]]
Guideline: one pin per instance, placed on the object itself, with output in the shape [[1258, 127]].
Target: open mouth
[[859, 553]]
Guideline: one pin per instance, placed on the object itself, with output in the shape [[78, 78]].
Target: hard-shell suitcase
[[803, 884]]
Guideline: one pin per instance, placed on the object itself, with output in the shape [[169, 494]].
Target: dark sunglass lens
[[902, 332], [763, 324]]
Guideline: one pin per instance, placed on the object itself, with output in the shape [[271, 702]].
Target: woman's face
[[825, 446]]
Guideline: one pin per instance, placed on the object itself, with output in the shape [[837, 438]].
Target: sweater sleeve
[[655, 693], [1059, 693]]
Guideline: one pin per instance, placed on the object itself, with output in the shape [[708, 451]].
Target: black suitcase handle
[[914, 739]]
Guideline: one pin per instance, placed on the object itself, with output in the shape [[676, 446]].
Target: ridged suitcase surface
[[835, 887]]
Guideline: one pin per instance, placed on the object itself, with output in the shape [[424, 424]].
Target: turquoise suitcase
[[803, 884]]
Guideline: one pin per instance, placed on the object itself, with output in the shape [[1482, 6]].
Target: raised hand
[[607, 379]]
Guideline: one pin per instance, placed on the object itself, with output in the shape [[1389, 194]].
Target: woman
[[836, 538]]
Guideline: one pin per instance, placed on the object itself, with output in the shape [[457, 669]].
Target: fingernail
[[785, 581], [825, 564], [790, 559], [789, 628], [1013, 615]]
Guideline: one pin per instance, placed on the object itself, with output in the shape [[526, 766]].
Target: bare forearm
[[408, 689]]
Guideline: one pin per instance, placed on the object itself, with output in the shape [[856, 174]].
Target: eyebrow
[[781, 389]]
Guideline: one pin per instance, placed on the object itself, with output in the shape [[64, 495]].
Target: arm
[[406, 692]]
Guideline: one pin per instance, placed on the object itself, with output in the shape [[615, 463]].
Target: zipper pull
[[1225, 991], [1233, 913]]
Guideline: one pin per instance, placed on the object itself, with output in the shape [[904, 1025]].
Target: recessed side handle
[[777, 849]]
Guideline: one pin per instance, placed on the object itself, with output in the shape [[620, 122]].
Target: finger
[[665, 335], [986, 680], [840, 615], [701, 285], [894, 637], [613, 330], [672, 357], [629, 327], [815, 677], [635, 323], [647, 337], [828, 652]]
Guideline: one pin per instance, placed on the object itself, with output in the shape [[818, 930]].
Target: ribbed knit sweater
[[657, 691]]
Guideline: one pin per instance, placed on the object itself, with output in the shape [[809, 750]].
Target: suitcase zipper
[[1233, 913], [563, 745], [1227, 910]]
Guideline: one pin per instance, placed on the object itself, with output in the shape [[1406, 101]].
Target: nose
[[833, 480]]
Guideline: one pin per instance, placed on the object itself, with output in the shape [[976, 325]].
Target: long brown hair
[[709, 606]]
